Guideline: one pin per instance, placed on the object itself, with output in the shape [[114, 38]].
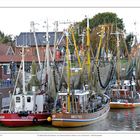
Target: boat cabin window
[[28, 99], [17, 99]]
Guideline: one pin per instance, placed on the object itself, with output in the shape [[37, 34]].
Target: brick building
[[10, 57]]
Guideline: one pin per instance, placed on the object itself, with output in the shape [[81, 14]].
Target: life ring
[[35, 120]]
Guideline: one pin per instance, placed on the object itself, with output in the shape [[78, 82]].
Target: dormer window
[[10, 51]]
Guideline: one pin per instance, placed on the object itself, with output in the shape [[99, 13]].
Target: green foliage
[[5, 38], [111, 22], [101, 19], [106, 18]]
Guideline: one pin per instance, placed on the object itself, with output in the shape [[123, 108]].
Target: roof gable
[[10, 51]]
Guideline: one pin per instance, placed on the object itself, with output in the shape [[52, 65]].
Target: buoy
[[49, 119]]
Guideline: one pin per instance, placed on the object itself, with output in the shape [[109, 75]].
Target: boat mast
[[68, 69], [75, 46], [23, 70], [88, 47], [53, 88], [23, 78], [118, 58], [100, 43], [55, 39], [33, 27], [117, 33], [47, 58]]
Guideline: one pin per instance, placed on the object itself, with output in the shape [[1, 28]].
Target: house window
[[28, 99], [17, 99], [6, 69], [27, 67]]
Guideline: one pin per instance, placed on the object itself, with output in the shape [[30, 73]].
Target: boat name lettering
[[28, 117], [2, 117], [76, 116]]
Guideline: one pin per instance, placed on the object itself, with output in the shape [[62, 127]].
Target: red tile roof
[[30, 54], [3, 49]]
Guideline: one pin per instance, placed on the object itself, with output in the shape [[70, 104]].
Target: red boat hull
[[14, 119]]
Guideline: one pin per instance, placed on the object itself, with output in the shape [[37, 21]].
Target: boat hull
[[77, 120], [15, 120], [118, 105]]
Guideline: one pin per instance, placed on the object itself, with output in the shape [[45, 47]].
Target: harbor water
[[117, 120]]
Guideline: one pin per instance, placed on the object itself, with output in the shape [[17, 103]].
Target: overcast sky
[[16, 19]]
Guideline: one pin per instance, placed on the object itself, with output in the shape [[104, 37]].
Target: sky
[[17, 18]]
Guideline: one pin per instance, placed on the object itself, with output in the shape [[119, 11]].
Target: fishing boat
[[75, 107], [124, 94], [125, 97], [27, 107], [85, 109]]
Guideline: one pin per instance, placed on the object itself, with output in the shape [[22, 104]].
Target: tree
[[5, 38], [110, 21], [101, 19], [106, 18]]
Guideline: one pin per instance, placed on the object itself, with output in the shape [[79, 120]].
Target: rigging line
[[54, 76], [108, 78], [61, 77], [55, 102], [107, 42], [59, 40], [129, 56], [130, 69]]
